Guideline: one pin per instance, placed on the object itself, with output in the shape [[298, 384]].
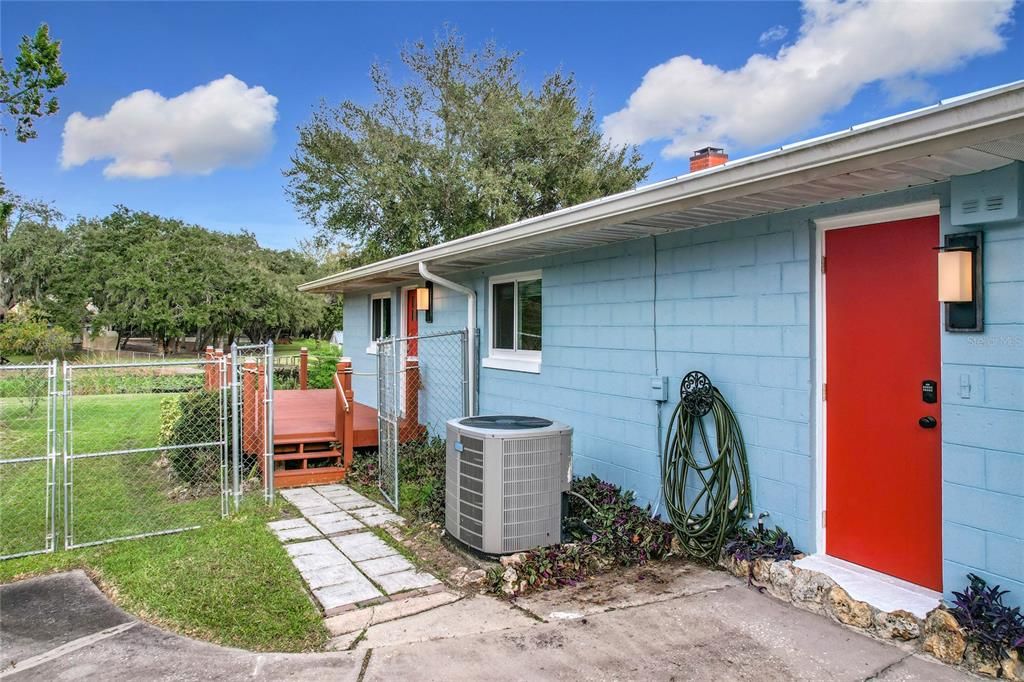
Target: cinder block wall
[[735, 301], [983, 427]]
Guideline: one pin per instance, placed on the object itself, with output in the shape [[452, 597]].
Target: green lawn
[[229, 581]]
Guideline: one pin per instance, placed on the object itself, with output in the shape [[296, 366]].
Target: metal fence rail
[[28, 452], [252, 401], [145, 449], [422, 382]]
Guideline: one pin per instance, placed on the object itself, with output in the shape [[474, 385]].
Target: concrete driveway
[[681, 624]]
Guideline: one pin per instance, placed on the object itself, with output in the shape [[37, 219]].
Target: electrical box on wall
[[659, 388], [988, 197]]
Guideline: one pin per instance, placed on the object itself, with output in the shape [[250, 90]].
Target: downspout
[[470, 327]]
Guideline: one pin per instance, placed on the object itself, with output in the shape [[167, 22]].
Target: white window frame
[[372, 348], [503, 358]]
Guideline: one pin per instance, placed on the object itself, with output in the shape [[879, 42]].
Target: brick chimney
[[708, 157]]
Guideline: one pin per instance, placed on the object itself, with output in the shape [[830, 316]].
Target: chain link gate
[[28, 458], [422, 382], [252, 400], [145, 449]]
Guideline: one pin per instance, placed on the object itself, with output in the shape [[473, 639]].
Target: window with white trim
[[514, 312], [380, 319]]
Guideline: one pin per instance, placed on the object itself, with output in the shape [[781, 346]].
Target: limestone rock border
[[938, 634]]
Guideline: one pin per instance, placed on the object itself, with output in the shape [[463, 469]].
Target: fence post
[[236, 439], [412, 398], [268, 414], [208, 370], [346, 417], [67, 447], [222, 387], [303, 368]]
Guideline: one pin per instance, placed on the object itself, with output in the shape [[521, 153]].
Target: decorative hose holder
[[707, 491]]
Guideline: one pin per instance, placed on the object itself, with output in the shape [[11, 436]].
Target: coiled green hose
[[718, 499]]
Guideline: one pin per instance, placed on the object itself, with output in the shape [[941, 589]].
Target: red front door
[[883, 467], [412, 322]]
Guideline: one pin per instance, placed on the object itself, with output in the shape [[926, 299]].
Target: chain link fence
[[252, 393], [422, 382], [28, 451], [145, 448]]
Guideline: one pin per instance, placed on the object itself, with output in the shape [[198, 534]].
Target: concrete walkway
[[676, 622], [345, 564]]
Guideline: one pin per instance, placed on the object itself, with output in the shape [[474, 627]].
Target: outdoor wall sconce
[[425, 301], [960, 281]]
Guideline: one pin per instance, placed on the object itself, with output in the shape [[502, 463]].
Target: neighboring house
[[722, 271]]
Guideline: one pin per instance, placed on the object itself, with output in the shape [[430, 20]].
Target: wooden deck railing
[[344, 419]]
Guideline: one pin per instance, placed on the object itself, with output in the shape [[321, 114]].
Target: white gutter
[[470, 327]]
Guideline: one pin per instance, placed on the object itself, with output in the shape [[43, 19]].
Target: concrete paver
[[385, 565], [362, 546], [335, 598], [358, 620], [335, 522], [332, 566], [393, 583], [295, 531]]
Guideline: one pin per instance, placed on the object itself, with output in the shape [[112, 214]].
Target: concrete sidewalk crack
[[886, 668], [366, 664], [67, 648]]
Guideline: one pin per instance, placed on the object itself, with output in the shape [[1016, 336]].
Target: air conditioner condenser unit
[[504, 481]]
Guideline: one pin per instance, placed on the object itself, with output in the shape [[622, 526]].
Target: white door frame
[[858, 219]]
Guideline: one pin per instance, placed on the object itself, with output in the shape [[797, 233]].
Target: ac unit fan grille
[[532, 468]]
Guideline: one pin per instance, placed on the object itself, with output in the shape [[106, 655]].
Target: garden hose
[[707, 498]]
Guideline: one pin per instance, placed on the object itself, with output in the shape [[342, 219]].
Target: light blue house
[[805, 282]]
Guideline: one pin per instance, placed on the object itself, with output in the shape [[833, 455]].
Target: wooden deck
[[308, 416]]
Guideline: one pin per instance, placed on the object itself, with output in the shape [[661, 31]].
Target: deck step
[[308, 454], [290, 478], [295, 439]]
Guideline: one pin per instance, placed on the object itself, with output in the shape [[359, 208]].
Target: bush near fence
[[192, 418]]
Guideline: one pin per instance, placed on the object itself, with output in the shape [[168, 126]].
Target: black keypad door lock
[[929, 391], [927, 422]]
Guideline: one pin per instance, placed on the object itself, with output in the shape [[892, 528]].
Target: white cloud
[[842, 46], [774, 34], [221, 123]]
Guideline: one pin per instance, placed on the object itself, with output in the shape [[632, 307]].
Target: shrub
[[323, 365], [192, 418], [28, 333], [987, 621], [752, 544], [617, 529], [608, 528], [420, 477]]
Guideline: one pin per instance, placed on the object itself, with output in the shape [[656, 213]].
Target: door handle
[[927, 422]]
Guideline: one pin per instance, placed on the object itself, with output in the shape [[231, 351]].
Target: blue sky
[[701, 89]]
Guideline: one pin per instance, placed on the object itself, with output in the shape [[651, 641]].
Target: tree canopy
[[143, 275], [26, 91], [462, 146]]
